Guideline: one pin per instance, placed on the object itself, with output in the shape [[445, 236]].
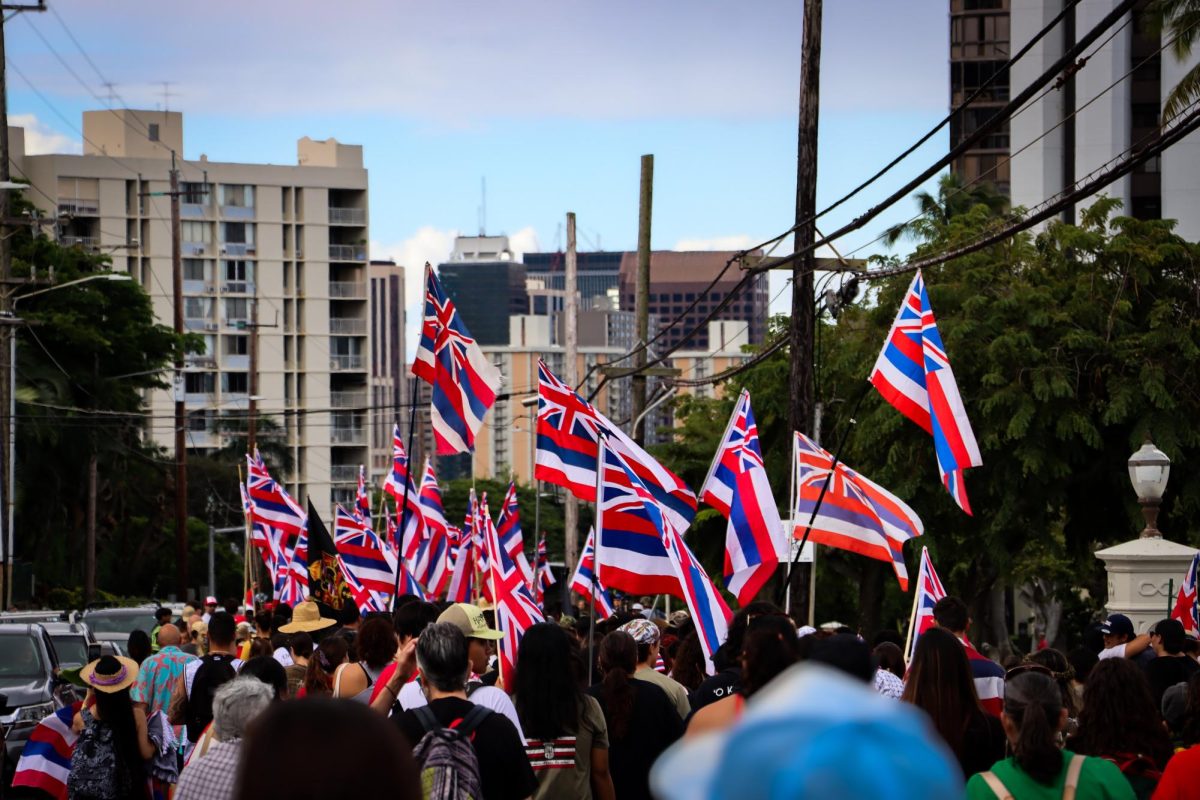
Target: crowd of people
[[312, 703]]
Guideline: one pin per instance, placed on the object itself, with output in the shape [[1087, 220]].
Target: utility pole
[[800, 404], [571, 346], [641, 303], [7, 332], [181, 535], [252, 410]]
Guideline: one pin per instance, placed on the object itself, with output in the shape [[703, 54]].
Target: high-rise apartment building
[[598, 279], [389, 380], [289, 240], [979, 47]]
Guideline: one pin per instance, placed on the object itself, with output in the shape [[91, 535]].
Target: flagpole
[[791, 535], [412, 426], [795, 559], [912, 620], [597, 532], [246, 560]]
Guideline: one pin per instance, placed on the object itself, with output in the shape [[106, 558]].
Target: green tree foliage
[[1179, 20]]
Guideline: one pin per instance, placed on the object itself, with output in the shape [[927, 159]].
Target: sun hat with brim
[[813, 732], [110, 673], [307, 617], [470, 620]]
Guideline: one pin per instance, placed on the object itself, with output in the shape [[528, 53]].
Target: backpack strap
[[428, 720], [996, 785], [1073, 770], [471, 721]]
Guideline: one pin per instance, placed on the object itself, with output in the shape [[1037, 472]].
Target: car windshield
[[20, 657], [70, 649], [120, 623]]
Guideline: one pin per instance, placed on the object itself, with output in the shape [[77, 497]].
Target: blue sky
[[552, 103]]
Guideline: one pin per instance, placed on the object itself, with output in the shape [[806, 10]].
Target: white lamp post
[[1149, 468]]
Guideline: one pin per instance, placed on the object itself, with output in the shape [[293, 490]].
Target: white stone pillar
[[1140, 573]]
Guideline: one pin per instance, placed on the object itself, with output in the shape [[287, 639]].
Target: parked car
[[74, 643], [29, 679], [113, 625]]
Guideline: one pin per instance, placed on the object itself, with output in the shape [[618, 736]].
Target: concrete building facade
[[291, 240]]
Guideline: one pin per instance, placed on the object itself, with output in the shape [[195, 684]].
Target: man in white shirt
[[1119, 638]]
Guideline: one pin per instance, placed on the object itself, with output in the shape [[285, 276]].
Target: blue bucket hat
[[814, 733]]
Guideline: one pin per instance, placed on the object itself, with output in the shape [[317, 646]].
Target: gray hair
[[236, 704], [442, 657]]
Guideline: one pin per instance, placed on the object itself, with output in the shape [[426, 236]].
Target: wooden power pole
[[641, 303], [800, 403], [571, 348], [181, 536]]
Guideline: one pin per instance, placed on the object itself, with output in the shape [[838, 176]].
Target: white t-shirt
[[411, 696], [1116, 651], [284, 657]]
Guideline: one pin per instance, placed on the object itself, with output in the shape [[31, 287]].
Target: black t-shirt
[[726, 682], [655, 725], [1166, 671], [504, 769], [983, 744]]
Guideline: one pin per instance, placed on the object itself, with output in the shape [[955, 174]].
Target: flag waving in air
[[508, 527], [585, 582], [913, 374], [464, 381], [1187, 609], [543, 577], [399, 484], [855, 514], [516, 611], [45, 762], [362, 498], [929, 591], [433, 558], [737, 486]]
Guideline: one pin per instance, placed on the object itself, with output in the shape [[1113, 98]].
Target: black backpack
[[214, 670]]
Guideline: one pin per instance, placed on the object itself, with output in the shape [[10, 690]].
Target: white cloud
[[523, 241], [738, 241], [41, 139], [427, 244]]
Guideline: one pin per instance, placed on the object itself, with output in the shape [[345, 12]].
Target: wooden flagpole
[[912, 620], [597, 530]]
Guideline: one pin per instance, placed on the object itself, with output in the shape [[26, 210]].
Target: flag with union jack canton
[[293, 588], [362, 497], [462, 577], [737, 486], [856, 514], [568, 433], [368, 564], [543, 576], [508, 527], [433, 558], [464, 381], [929, 591], [913, 374], [585, 582], [399, 484], [1187, 608], [516, 611]]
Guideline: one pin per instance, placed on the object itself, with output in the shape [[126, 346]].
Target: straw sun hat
[[110, 673], [307, 617]]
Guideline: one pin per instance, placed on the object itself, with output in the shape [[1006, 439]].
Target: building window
[[154, 131], [237, 232], [193, 193], [199, 421], [197, 307], [238, 270], [235, 345], [235, 382], [197, 232], [237, 195], [237, 309], [198, 382], [195, 269]]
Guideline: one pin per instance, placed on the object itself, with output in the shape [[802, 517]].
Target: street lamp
[[1149, 468]]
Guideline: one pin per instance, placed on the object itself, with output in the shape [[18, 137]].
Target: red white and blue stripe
[[399, 484], [367, 563], [45, 762], [516, 611], [362, 498], [272, 505], [585, 582], [508, 527], [856, 514], [1187, 610], [929, 591], [464, 381], [433, 557], [462, 578], [293, 588], [913, 374], [543, 577], [568, 433], [737, 486]]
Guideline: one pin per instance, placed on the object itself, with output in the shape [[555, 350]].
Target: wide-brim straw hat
[[110, 673], [307, 617]]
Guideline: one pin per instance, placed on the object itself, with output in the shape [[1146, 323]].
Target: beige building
[[291, 239]]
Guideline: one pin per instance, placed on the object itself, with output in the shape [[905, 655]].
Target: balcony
[[200, 360], [341, 326], [348, 399], [347, 216], [348, 290], [343, 473], [347, 252], [237, 287], [348, 436], [237, 212], [347, 363], [235, 362], [199, 324], [74, 207], [193, 211], [198, 287], [238, 248], [86, 242]]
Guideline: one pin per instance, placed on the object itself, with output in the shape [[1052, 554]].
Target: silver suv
[[30, 682]]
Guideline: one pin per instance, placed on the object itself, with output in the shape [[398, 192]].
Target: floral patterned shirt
[[157, 678]]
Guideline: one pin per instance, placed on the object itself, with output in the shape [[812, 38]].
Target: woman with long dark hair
[[1121, 723], [940, 683], [109, 757], [561, 723], [1063, 674], [330, 654], [641, 719]]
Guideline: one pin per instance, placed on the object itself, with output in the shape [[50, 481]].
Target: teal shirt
[[1098, 780], [157, 678]]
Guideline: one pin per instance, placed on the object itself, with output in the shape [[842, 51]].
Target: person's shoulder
[[1101, 772]]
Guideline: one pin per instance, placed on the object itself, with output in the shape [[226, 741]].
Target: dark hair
[[1119, 714], [1189, 731], [1083, 661], [319, 677], [1033, 703], [138, 645], [376, 642], [301, 644], [618, 660], [260, 647], [546, 692], [411, 618], [951, 614], [348, 614], [890, 657], [689, 668], [1172, 635], [230, 605], [374, 762], [846, 652], [264, 622], [163, 611], [221, 628], [116, 709], [941, 684], [887, 635], [269, 671], [1057, 663], [769, 647]]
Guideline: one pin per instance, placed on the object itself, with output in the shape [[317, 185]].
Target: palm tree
[[953, 199], [1181, 19]]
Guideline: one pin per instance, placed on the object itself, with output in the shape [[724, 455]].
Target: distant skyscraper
[[486, 284], [979, 46]]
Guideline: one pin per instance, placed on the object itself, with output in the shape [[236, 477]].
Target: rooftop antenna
[[483, 206], [167, 94]]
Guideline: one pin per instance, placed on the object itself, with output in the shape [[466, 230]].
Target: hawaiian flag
[[543, 577], [929, 591], [913, 374], [464, 381], [568, 434], [462, 578], [737, 486], [368, 564], [1187, 610], [508, 527], [362, 498], [585, 582], [45, 762], [399, 484], [271, 505], [856, 514], [265, 540], [708, 609], [516, 611], [433, 559], [292, 588]]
